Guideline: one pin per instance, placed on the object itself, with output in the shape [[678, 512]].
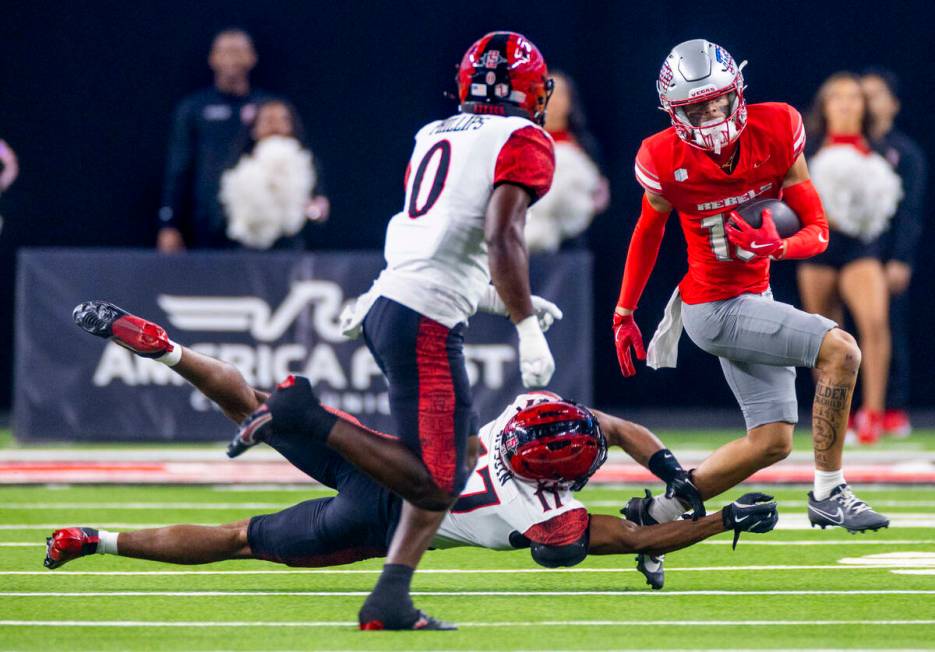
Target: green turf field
[[792, 593]]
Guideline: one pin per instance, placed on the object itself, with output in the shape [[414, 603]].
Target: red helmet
[[503, 73], [554, 442]]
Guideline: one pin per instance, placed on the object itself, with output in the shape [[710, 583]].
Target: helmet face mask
[[503, 73], [553, 442], [694, 75]]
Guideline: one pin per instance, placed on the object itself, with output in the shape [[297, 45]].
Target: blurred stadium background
[[89, 92]]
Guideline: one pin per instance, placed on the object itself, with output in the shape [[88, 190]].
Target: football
[[785, 219]]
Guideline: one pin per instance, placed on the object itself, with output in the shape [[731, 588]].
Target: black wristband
[[664, 465]]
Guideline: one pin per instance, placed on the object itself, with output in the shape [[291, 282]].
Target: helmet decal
[[696, 72], [503, 73]]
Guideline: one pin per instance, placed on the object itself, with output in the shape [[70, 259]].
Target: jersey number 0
[[443, 149]]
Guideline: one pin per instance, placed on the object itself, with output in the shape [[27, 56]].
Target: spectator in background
[[10, 166], [899, 244], [205, 130], [860, 193], [9, 171], [268, 194], [579, 190]]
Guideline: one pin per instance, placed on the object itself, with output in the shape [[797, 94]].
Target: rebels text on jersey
[[704, 195], [436, 257], [494, 504]]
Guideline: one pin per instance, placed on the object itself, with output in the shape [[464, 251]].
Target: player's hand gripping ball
[[753, 242], [784, 218], [757, 228]]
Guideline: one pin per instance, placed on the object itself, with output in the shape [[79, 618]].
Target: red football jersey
[[704, 194]]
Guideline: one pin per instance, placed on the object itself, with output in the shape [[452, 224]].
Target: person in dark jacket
[[206, 128], [899, 244]]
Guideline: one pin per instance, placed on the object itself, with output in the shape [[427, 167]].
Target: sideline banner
[[269, 314]]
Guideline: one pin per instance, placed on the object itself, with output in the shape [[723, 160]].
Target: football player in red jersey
[[720, 153]]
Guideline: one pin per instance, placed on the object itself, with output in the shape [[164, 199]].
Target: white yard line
[[527, 623], [796, 520], [458, 571], [717, 542], [329, 594]]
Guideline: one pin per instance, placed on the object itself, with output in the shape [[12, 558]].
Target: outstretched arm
[[610, 535], [644, 447], [752, 512], [637, 441]]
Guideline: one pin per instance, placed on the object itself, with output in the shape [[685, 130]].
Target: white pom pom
[[860, 192], [265, 194]]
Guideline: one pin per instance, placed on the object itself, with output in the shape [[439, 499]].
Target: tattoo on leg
[[829, 417]]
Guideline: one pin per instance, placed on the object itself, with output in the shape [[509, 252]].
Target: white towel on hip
[[663, 351]]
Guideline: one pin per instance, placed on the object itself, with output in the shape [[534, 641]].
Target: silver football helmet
[[694, 76]]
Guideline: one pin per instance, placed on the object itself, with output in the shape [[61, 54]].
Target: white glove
[[351, 327], [535, 359], [547, 313]]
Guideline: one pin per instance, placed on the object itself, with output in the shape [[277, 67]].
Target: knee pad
[[297, 411]]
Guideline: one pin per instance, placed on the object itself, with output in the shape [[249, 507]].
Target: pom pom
[[265, 194], [567, 209], [860, 192]]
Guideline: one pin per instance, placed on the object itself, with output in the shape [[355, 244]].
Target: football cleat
[[106, 320], [424, 622], [69, 543], [844, 509], [252, 431], [651, 566]]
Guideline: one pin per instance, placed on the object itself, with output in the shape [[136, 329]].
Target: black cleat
[[424, 622], [103, 319], [842, 508], [252, 431], [651, 566]]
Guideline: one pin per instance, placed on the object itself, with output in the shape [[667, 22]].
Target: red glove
[[627, 334], [761, 242]]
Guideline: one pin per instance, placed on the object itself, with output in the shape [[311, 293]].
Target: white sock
[[665, 509], [171, 358], [825, 481], [108, 542]]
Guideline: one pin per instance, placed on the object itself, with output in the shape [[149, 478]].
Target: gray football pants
[[760, 342]]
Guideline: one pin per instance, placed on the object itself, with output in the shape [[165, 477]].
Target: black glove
[[678, 481], [753, 512], [682, 487]]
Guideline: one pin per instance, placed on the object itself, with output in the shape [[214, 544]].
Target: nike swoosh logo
[[756, 245], [837, 518], [821, 238], [759, 163], [738, 520]]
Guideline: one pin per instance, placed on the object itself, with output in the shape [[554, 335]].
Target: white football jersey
[[436, 257], [494, 504]]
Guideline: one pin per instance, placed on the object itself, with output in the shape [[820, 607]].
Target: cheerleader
[[579, 190], [268, 195], [860, 192]]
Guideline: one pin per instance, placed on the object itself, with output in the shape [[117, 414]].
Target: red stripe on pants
[[436, 403]]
